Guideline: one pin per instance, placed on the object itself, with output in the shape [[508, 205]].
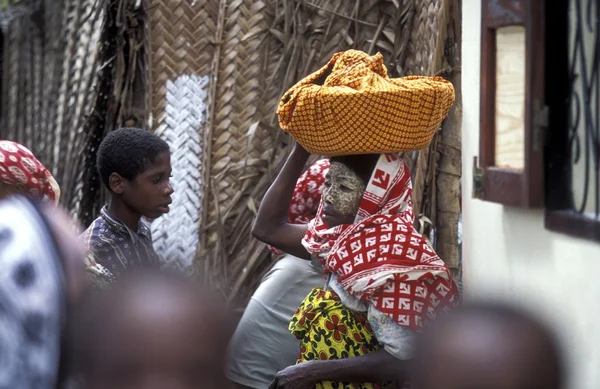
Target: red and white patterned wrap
[[307, 195], [381, 257], [18, 166]]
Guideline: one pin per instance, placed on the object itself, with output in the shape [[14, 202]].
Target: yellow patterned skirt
[[328, 330]]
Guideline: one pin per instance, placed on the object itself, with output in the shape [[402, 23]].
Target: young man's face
[[150, 192]]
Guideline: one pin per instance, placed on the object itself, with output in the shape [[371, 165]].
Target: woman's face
[[342, 195]]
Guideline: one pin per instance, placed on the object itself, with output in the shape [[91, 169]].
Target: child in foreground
[[135, 167], [152, 330]]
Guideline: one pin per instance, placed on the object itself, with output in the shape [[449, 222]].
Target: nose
[[169, 189]]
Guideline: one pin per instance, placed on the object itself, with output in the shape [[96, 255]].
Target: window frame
[[560, 213], [499, 185]]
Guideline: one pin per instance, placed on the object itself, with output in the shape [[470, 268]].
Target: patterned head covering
[[31, 298], [18, 166], [352, 106], [307, 195], [381, 257]]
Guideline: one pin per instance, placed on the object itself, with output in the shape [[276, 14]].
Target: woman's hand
[[294, 377]]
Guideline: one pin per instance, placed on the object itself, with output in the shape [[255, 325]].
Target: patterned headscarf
[[31, 298], [307, 195], [18, 166], [381, 257]]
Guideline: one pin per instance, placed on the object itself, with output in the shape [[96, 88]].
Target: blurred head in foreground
[[41, 282], [488, 346], [152, 330]]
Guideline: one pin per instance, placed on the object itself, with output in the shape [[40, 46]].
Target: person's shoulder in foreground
[[135, 166], [152, 329], [488, 346]]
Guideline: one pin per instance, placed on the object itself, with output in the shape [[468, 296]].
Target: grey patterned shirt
[[113, 248]]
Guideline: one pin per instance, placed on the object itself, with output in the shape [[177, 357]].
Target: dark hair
[[361, 164], [127, 152]]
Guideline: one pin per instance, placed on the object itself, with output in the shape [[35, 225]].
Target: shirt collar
[[143, 229]]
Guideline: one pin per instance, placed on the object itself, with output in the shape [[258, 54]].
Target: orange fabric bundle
[[358, 109]]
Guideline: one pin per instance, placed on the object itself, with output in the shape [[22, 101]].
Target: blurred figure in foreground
[[22, 173], [488, 346], [41, 280], [152, 329]]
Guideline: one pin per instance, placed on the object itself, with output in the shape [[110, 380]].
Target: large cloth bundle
[[352, 106]]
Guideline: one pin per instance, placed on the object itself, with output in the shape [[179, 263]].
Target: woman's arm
[[271, 225], [378, 366]]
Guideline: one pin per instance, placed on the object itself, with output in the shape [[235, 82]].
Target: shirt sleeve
[[395, 339]]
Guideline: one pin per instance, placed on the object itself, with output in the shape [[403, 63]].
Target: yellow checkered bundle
[[351, 106]]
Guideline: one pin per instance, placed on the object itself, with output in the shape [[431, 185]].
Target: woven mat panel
[[238, 141], [116, 97], [425, 54], [77, 76], [53, 99], [424, 41], [50, 63], [182, 45]]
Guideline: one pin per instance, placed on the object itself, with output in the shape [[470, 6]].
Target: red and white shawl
[[381, 257], [307, 195], [18, 166]]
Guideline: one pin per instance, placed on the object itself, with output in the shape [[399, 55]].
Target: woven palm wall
[[248, 52], [72, 71], [205, 75]]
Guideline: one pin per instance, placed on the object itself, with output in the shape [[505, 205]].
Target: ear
[[116, 183]]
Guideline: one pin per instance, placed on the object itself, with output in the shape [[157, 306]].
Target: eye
[[156, 181], [345, 188]]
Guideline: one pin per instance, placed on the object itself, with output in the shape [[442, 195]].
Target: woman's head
[[345, 184]]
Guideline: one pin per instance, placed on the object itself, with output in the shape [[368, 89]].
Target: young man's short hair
[[127, 152]]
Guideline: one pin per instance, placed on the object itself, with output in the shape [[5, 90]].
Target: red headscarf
[[18, 166], [381, 257], [307, 195]]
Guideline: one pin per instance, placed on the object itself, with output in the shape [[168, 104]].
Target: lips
[[329, 211], [164, 208]]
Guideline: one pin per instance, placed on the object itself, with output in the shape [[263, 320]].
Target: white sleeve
[[395, 339]]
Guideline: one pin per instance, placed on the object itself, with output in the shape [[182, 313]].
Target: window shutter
[[510, 167]]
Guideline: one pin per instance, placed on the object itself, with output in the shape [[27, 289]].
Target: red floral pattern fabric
[[307, 195], [18, 166], [381, 257]]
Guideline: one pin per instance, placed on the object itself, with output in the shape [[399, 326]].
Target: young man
[[135, 166]]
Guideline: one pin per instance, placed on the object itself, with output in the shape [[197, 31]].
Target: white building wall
[[507, 253]]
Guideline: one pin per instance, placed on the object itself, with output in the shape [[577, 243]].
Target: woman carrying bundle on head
[[383, 279]]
